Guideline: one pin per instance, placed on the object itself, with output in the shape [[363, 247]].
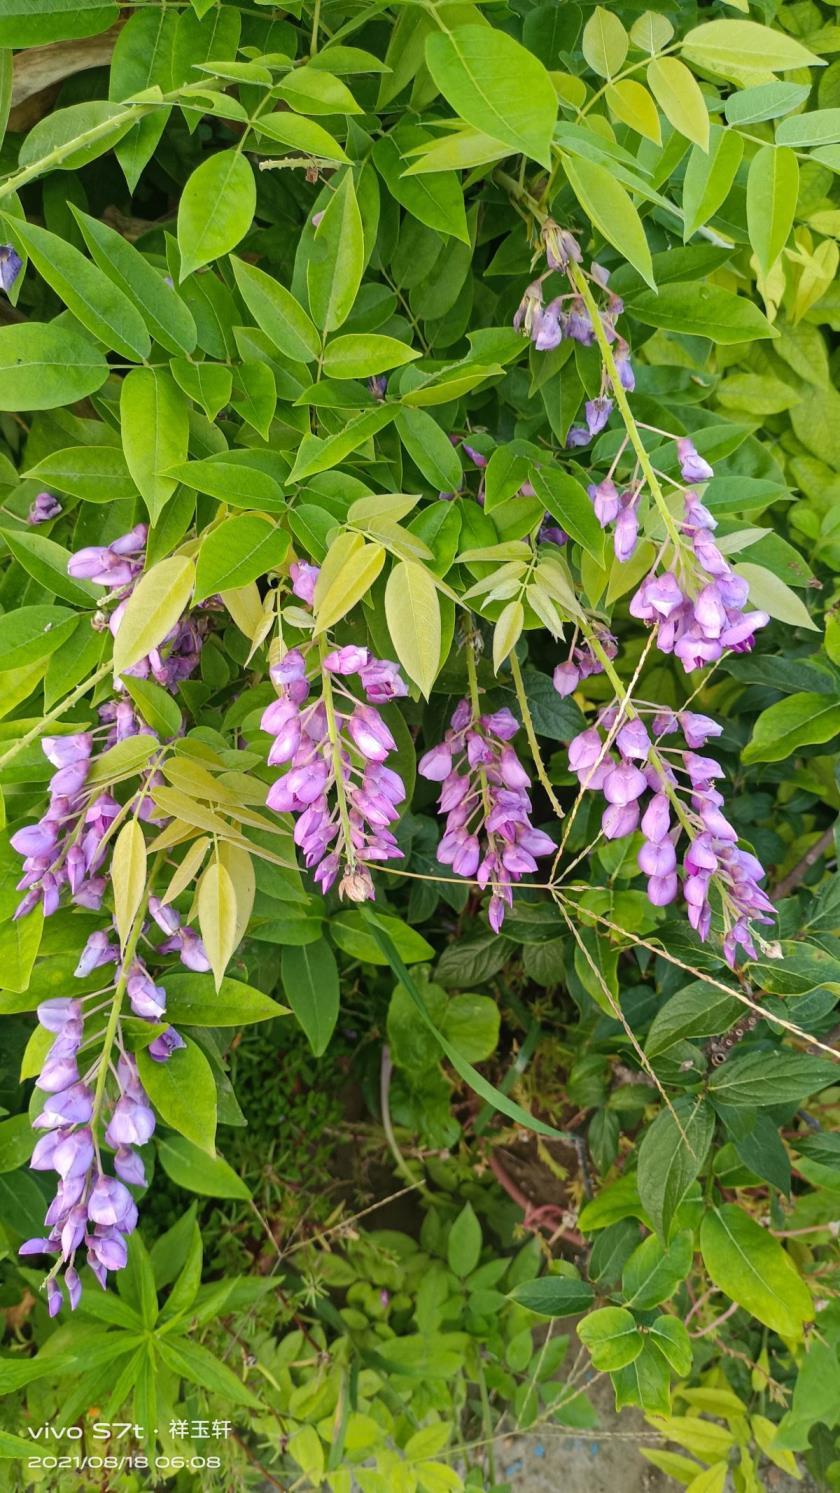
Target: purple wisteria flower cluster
[[665, 791], [119, 566], [698, 606], [336, 745], [91, 1210], [484, 795]]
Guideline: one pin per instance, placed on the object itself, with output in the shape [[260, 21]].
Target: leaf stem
[[527, 721], [581, 285], [66, 704]]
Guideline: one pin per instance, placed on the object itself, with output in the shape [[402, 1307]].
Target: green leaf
[[817, 127], [207, 384], [752, 1079], [678, 95], [495, 85], [128, 876], [156, 705], [568, 502], [255, 396], [46, 364], [709, 176], [363, 354], [435, 199], [698, 1010], [733, 48], [142, 59], [192, 999], [240, 550], [216, 209], [309, 977], [153, 609], [554, 1295], [312, 90], [671, 1338], [670, 1158], [463, 1246], [612, 1337], [155, 432], [233, 478], [167, 318], [799, 720], [608, 206], [31, 633], [770, 593], [190, 1167], [277, 312], [96, 473], [645, 1382], [76, 135], [701, 310], [17, 1141], [765, 101], [349, 571], [95, 300], [183, 1091], [301, 134], [198, 1365], [412, 611], [334, 272], [752, 1268], [430, 449], [655, 1270], [772, 190], [30, 23], [46, 562], [216, 901], [604, 42]]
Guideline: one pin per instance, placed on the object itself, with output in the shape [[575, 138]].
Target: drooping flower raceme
[[665, 792], [484, 795], [697, 606], [335, 749]]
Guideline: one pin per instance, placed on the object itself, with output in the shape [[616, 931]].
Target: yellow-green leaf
[[187, 869], [350, 569], [153, 609], [412, 610], [772, 190], [630, 102], [608, 205], [752, 1268], [128, 876], [507, 632], [604, 42], [678, 95], [217, 917]]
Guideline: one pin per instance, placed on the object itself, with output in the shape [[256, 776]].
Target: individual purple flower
[[304, 578], [44, 507], [529, 313], [11, 265], [162, 1047], [598, 412], [561, 247], [693, 467], [549, 332]]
